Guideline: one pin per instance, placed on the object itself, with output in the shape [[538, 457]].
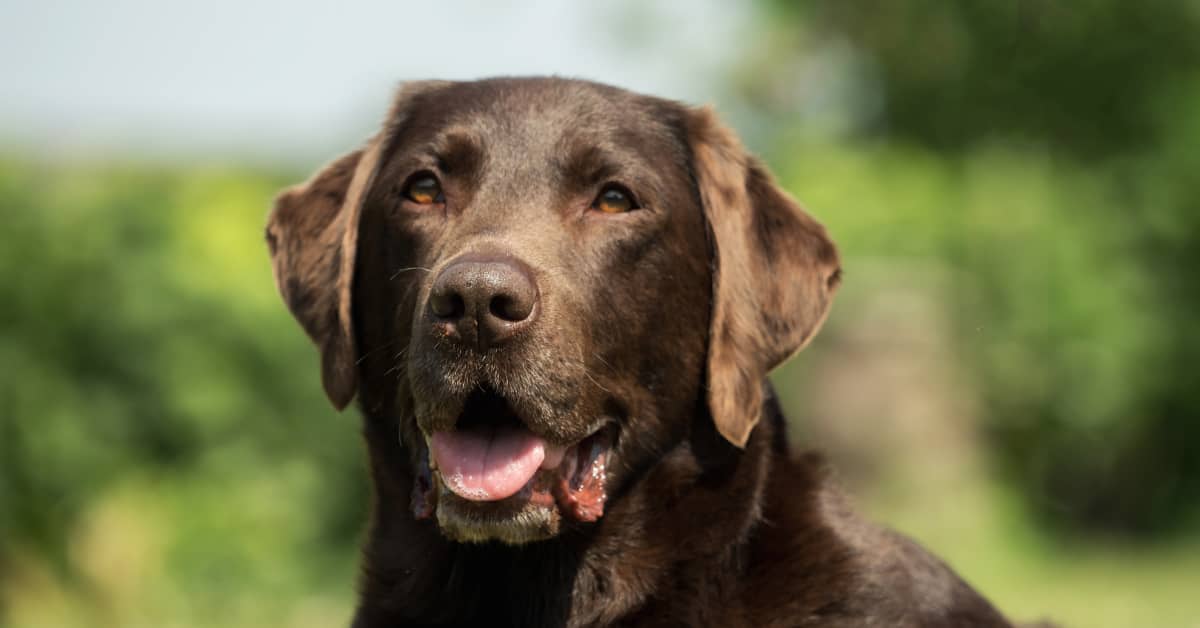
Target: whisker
[[598, 384], [367, 354], [603, 361], [398, 366], [404, 270]]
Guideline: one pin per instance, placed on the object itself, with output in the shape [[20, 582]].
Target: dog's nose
[[483, 302]]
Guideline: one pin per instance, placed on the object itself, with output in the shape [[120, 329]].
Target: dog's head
[[535, 285]]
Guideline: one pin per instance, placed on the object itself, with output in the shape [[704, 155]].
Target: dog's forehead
[[540, 116]]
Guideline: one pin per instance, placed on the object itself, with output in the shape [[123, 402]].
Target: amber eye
[[424, 189], [614, 199]]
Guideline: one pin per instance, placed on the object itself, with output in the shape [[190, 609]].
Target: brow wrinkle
[[587, 166], [460, 154]]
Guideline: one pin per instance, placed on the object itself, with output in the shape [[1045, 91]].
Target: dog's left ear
[[774, 274]]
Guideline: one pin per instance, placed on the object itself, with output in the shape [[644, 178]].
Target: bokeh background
[[1010, 374]]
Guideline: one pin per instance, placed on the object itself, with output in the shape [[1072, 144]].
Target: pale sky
[[293, 80]]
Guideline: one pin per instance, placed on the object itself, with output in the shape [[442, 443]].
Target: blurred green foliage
[[147, 363], [1046, 154], [1085, 77]]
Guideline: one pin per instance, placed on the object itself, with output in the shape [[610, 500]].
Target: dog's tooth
[[430, 460], [553, 456], [569, 463]]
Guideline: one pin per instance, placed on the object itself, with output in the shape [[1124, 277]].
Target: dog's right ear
[[312, 234]]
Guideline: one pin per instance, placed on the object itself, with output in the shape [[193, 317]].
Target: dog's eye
[[424, 189], [614, 199]]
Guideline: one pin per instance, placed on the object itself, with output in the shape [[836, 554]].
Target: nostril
[[447, 305], [504, 306], [481, 302]]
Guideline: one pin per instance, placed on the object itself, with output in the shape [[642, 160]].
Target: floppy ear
[[312, 234], [774, 274]]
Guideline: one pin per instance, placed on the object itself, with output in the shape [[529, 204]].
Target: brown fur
[[664, 321]]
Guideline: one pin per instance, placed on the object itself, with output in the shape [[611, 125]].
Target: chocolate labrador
[[557, 303]]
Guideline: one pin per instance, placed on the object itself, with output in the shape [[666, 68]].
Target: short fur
[[664, 320]]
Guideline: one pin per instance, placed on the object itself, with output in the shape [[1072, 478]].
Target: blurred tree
[[1079, 260], [139, 334], [1084, 77]]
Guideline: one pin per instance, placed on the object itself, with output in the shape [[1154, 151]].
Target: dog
[[557, 303]]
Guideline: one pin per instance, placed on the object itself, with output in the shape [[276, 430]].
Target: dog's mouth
[[491, 477]]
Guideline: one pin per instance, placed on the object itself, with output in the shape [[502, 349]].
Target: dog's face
[[542, 282]]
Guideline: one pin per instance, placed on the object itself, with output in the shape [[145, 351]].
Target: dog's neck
[[412, 575]]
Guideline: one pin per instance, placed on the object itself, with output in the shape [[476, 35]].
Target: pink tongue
[[487, 465]]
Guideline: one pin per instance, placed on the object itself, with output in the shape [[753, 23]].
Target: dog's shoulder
[[814, 560]]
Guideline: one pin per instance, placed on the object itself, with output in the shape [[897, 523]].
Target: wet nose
[[483, 302]]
